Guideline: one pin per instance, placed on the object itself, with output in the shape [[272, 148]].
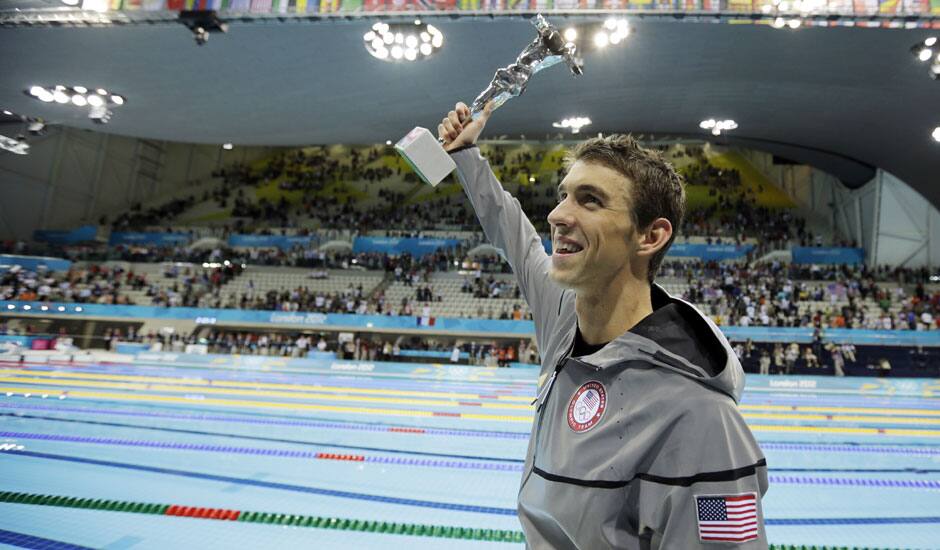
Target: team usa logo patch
[[587, 406], [727, 518]]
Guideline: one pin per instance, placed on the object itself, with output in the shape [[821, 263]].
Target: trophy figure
[[425, 154]]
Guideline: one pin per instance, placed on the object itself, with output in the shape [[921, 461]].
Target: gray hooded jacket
[[640, 444]]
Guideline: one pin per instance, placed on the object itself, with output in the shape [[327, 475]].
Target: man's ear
[[654, 238]]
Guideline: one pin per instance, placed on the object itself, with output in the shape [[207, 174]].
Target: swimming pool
[[147, 455]]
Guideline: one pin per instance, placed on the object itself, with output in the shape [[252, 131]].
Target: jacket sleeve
[[710, 476], [507, 228]]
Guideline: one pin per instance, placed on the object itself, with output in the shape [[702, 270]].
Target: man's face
[[592, 228]]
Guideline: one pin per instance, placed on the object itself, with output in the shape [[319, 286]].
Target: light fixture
[[601, 39], [98, 103], [61, 308], [227, 146], [794, 23], [571, 34], [78, 309], [15, 146], [27, 307], [936, 134], [574, 123], [7, 113], [402, 41], [718, 126]]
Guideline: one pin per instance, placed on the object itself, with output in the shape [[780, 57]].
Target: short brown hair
[[658, 190]]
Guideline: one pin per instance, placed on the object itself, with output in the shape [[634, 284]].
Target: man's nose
[[561, 215]]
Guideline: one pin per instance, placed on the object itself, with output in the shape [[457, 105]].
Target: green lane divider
[[316, 522]]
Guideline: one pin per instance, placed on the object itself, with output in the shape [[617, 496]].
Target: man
[[637, 441]]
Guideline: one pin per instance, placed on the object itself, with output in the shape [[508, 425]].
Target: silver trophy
[[425, 154]]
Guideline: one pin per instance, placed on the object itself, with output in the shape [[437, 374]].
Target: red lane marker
[[454, 415], [220, 514], [408, 430], [469, 404], [331, 456], [489, 397]]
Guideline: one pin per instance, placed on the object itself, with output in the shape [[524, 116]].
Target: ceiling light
[[925, 54], [779, 23], [101, 91], [601, 39], [574, 123], [8, 113], [610, 24], [388, 142], [930, 41], [14, 146], [117, 100], [936, 134], [794, 23], [402, 41], [95, 100], [70, 2], [227, 146], [79, 100], [571, 34], [80, 89], [718, 126], [60, 97], [36, 90]]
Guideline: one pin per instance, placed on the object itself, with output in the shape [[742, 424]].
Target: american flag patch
[[727, 518]]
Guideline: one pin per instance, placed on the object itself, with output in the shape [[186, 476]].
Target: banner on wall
[[33, 263], [81, 234], [417, 247], [145, 239], [828, 255], [283, 242], [709, 252]]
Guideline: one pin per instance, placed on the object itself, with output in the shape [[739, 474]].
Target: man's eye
[[592, 198]]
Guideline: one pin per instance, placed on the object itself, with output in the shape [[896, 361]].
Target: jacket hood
[[679, 338]]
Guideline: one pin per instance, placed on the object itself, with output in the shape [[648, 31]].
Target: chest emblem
[[587, 406]]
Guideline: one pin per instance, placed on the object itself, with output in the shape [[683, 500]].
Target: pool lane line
[[282, 453], [899, 448], [373, 376], [270, 518], [427, 414], [283, 420], [211, 382], [23, 540], [492, 510], [829, 411], [56, 392], [278, 394], [267, 439], [462, 464], [382, 527]]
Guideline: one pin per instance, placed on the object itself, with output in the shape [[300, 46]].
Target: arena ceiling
[[843, 99]]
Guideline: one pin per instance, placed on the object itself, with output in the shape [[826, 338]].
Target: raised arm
[[504, 223]]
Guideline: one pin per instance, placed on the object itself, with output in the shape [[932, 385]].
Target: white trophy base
[[425, 155]]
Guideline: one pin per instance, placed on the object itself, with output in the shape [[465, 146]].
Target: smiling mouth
[[567, 249]]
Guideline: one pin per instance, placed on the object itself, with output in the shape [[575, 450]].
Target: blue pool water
[[425, 445]]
